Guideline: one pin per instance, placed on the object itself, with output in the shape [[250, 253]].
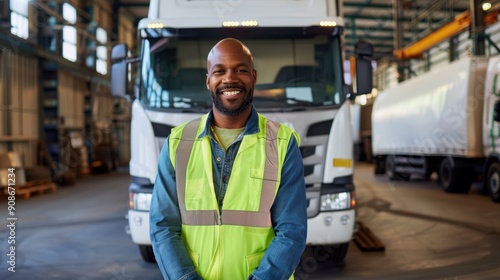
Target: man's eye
[[242, 70]]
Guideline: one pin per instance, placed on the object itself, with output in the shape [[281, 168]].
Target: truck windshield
[[302, 73]]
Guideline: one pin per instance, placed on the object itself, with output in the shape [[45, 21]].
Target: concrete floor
[[428, 233], [78, 233]]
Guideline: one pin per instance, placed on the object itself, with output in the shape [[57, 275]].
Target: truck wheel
[[339, 253], [390, 170], [335, 254], [493, 183], [147, 253], [452, 179]]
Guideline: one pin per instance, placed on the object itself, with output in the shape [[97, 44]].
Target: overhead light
[[235, 23], [156, 25], [327, 23], [486, 6], [230, 23], [249, 23]]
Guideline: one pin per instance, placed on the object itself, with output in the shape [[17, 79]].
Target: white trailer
[[298, 53], [444, 121]]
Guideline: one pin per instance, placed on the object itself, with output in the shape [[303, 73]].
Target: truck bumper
[[331, 228], [139, 227]]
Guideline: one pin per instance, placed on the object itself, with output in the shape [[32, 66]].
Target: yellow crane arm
[[459, 24]]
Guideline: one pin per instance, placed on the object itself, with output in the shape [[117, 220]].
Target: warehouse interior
[[61, 123], [57, 111]]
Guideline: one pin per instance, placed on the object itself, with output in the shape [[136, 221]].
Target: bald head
[[228, 46]]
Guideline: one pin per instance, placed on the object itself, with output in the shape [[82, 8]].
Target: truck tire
[[493, 181], [454, 179], [390, 170], [335, 254], [147, 253], [339, 253]]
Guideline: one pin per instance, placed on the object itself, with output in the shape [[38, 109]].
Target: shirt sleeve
[[289, 218], [165, 224]]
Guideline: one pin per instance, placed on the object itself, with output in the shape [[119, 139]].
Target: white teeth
[[230, 93]]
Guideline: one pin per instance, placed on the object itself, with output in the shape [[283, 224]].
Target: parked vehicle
[[446, 121], [298, 54]]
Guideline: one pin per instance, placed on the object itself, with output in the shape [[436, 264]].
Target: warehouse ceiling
[[374, 20]]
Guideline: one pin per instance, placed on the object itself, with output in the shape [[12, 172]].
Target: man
[[229, 200]]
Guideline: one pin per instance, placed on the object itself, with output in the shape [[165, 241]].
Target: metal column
[[398, 35], [477, 27]]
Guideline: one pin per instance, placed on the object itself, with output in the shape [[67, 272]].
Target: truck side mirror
[[496, 112], [364, 70], [119, 71], [119, 52]]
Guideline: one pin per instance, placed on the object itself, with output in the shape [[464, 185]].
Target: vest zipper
[[221, 182]]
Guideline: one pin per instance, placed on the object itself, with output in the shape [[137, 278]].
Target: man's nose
[[230, 77]]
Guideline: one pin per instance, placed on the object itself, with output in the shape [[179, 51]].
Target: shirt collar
[[251, 127]]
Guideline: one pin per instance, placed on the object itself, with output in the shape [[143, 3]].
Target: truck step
[[366, 240]]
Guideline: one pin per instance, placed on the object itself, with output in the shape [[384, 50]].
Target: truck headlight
[[140, 201], [336, 201]]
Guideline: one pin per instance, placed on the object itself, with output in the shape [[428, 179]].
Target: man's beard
[[217, 101]]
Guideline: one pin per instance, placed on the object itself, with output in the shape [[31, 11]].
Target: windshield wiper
[[302, 102], [194, 106]]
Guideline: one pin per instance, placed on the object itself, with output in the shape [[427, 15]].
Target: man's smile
[[230, 93]]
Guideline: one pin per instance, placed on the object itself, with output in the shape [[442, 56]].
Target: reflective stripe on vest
[[261, 218]]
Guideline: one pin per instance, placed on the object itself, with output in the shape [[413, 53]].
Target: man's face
[[230, 79]]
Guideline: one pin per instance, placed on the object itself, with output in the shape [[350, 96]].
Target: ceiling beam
[[364, 5], [133, 5], [388, 6], [361, 8], [377, 38], [388, 18], [376, 46], [375, 28]]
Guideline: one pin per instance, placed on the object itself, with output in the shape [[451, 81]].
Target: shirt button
[[218, 159], [225, 178]]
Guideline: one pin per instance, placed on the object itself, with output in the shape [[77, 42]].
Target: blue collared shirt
[[288, 213]]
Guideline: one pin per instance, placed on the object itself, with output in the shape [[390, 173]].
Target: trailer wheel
[[147, 253], [453, 179], [493, 182], [390, 170], [389, 167], [379, 165]]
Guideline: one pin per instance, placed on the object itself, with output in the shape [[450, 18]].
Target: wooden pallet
[[366, 240], [33, 188]]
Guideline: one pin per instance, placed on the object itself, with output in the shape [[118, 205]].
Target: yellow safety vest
[[228, 245]]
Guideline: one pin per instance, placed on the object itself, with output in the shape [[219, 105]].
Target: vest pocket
[[253, 261]]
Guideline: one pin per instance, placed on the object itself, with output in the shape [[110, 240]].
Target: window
[[101, 65], [19, 18], [69, 50]]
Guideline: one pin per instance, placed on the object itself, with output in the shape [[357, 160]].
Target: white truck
[[444, 121], [298, 53]]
